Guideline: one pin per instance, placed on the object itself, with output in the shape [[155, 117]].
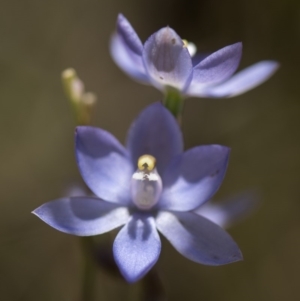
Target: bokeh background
[[38, 39]]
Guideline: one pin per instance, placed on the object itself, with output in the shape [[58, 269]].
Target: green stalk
[[174, 102], [82, 104]]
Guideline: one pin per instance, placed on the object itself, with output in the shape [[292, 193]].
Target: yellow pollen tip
[[146, 162], [185, 43]]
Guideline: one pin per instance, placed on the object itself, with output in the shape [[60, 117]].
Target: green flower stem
[[174, 102], [88, 269], [82, 104]]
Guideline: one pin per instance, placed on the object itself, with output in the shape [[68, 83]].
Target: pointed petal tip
[[122, 21], [272, 64], [38, 212], [239, 45], [226, 150], [235, 257], [222, 149], [236, 49], [120, 17], [245, 80], [34, 212], [132, 278], [137, 248], [164, 34], [238, 256]]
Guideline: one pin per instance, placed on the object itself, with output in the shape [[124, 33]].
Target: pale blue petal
[[243, 81], [82, 216], [126, 50], [137, 247], [194, 177], [230, 211], [197, 238], [104, 164], [129, 36], [166, 59], [155, 132], [215, 68]]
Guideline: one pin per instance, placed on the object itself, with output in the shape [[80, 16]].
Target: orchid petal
[[197, 238], [229, 212], [194, 177], [137, 247], [199, 57], [104, 164], [126, 50], [82, 216], [155, 132], [167, 60], [215, 68], [243, 81]]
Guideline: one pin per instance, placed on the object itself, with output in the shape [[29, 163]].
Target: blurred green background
[[38, 39]]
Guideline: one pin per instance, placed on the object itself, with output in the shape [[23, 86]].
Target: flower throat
[[146, 184]]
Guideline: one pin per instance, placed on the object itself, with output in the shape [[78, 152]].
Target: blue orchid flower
[[165, 61], [148, 186]]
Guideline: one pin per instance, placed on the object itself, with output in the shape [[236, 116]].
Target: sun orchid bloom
[[148, 186], [165, 61]]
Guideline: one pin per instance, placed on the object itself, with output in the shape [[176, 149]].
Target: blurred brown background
[[38, 39]]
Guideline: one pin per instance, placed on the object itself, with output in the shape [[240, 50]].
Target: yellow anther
[[185, 43], [191, 47], [146, 162]]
